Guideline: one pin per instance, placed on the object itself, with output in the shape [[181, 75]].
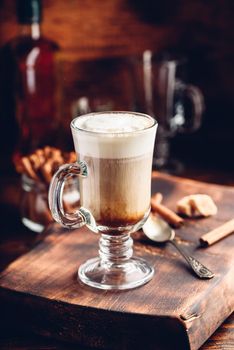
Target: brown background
[[202, 30]]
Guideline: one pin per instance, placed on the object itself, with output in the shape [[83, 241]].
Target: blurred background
[[62, 58], [92, 44]]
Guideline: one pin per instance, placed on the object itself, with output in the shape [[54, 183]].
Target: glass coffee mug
[[115, 151], [161, 90]]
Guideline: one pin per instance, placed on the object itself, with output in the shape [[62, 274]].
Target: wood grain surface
[[42, 285]]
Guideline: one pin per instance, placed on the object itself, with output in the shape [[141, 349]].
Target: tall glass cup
[[161, 90], [114, 151]]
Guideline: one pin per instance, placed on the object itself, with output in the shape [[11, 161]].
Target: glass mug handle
[[55, 197], [194, 94]]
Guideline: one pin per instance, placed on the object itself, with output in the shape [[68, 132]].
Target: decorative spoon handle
[[200, 270]]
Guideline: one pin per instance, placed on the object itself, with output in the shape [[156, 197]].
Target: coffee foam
[[112, 135], [112, 123]]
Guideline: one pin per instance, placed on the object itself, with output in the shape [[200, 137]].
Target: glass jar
[[34, 208]]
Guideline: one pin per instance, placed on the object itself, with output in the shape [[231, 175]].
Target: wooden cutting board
[[175, 310]]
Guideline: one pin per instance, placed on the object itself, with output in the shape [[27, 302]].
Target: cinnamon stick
[[157, 198], [218, 233], [167, 214], [29, 168], [70, 157], [47, 170]]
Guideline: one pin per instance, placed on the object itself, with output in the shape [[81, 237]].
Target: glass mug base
[[115, 268], [134, 273]]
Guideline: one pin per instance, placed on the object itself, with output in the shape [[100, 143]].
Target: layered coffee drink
[[117, 150], [114, 151]]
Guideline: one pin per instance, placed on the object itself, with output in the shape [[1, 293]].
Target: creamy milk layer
[[113, 135], [112, 123]]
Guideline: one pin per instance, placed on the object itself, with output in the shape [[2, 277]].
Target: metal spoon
[[159, 231]]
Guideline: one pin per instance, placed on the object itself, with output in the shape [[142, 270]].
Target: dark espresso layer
[[117, 191]]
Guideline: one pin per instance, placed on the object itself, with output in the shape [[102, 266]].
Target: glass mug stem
[[115, 249]]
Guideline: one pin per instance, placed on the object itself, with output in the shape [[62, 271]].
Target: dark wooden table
[[15, 240]]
